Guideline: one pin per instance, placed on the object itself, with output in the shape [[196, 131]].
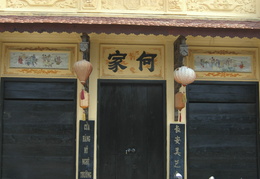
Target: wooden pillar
[[85, 49], [180, 51]]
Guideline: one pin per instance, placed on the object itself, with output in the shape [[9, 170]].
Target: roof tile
[[202, 23]]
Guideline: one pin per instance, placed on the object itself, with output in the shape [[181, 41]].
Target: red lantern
[[184, 75], [83, 69]]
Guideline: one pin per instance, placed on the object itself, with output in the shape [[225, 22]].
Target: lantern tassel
[[82, 96], [179, 116], [84, 99]]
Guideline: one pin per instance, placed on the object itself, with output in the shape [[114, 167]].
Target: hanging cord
[[179, 111]]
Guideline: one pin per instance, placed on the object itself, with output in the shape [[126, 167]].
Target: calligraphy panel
[[132, 61], [177, 150], [86, 149]]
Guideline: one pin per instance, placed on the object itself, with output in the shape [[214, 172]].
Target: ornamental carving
[[133, 4], [139, 6], [16, 4], [66, 4], [150, 5], [42, 3], [235, 6], [88, 4], [176, 5]]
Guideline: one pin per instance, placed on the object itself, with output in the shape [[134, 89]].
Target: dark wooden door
[[222, 130], [131, 130], [38, 128]]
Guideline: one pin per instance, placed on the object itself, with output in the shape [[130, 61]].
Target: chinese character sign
[[132, 61], [86, 149], [115, 61], [177, 151]]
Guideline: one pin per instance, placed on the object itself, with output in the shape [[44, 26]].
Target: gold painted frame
[[30, 59], [223, 62], [131, 64]]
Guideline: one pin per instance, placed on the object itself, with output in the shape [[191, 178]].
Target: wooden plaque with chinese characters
[[86, 149], [132, 61], [177, 149]]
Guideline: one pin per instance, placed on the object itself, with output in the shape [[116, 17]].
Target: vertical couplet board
[[86, 149], [177, 134]]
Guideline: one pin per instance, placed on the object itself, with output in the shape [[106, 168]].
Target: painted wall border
[[223, 62], [38, 59]]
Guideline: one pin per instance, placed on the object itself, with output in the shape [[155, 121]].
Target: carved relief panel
[[228, 6], [88, 4], [201, 7], [151, 5], [176, 5], [42, 4]]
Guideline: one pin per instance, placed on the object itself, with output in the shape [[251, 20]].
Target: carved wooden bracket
[[85, 46]]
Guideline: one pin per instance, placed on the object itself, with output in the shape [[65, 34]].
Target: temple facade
[[131, 127]]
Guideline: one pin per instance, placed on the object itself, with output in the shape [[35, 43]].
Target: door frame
[[122, 81]]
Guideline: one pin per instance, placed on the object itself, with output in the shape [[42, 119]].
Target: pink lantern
[[83, 69], [184, 75]]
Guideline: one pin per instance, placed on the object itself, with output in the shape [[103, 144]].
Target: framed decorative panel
[[132, 61], [223, 62], [38, 59]]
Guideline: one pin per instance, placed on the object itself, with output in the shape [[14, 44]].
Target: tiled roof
[[126, 24], [132, 21]]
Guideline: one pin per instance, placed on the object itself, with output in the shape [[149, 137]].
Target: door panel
[[38, 128], [222, 130], [131, 129], [129, 137]]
